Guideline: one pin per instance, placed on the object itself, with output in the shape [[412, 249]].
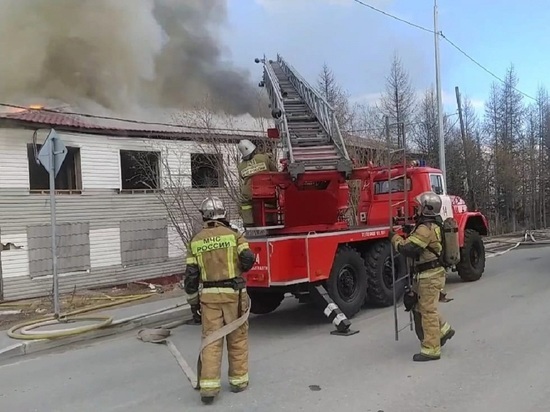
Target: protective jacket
[[216, 254], [260, 162], [420, 245]]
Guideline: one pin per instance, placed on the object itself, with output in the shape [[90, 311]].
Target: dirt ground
[[14, 312]]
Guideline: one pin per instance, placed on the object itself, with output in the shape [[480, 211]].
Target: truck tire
[[263, 303], [380, 276], [347, 284], [472, 257]]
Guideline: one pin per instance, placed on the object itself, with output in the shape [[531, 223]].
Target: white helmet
[[246, 147], [212, 208], [430, 204]]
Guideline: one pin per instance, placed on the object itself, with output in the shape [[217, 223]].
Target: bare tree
[[336, 96], [398, 101], [203, 164]]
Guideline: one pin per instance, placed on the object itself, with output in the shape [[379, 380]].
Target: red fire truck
[[330, 243]]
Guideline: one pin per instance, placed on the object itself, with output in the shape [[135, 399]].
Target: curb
[[171, 313]]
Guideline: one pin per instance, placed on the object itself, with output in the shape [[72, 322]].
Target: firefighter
[[428, 276], [252, 163], [216, 258]]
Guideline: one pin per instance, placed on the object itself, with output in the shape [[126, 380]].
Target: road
[[497, 361]]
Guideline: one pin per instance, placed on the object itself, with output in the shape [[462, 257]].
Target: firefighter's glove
[[409, 300], [196, 311]]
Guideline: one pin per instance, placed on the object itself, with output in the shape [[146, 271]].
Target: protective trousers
[[247, 214], [430, 327], [214, 316]]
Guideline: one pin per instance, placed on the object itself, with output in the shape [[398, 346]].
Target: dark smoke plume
[[120, 54]]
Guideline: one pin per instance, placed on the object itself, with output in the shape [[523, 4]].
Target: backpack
[[450, 253]]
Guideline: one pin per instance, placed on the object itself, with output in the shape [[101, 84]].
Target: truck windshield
[[382, 187]]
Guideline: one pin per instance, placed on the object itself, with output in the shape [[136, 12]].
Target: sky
[[358, 43]]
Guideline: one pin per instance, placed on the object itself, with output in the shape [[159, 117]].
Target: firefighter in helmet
[[252, 163], [216, 258], [428, 276]]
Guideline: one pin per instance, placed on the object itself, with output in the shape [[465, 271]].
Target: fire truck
[[315, 237]]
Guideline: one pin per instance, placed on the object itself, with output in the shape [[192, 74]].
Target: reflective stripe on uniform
[[193, 298], [438, 233], [430, 352], [213, 243], [210, 383], [445, 329], [417, 241], [191, 260], [242, 247], [238, 380], [204, 275], [246, 207], [219, 290]]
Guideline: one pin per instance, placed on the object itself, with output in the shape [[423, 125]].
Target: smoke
[[120, 54]]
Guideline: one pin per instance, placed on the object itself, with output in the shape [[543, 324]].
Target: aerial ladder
[[306, 122]]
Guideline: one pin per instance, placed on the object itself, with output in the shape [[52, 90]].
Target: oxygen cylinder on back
[[450, 255]]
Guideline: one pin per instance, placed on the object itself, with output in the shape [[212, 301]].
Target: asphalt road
[[497, 361]]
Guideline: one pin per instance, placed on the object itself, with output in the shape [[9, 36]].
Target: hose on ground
[[25, 328]]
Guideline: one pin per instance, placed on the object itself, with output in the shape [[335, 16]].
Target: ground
[[496, 362]]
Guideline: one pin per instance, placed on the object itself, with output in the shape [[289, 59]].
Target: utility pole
[[439, 99]]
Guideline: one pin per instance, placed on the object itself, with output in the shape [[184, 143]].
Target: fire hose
[[161, 334]]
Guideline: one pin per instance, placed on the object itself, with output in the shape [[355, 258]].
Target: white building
[[113, 224]]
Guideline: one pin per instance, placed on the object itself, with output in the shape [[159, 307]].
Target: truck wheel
[[263, 303], [347, 284], [472, 257], [380, 276]]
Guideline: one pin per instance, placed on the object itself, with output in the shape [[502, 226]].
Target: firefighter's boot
[[448, 336], [239, 388], [421, 357], [207, 400]]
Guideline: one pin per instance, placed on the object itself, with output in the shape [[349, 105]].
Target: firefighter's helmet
[[429, 204], [246, 147], [212, 208]]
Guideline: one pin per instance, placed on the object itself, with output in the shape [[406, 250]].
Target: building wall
[[104, 237]]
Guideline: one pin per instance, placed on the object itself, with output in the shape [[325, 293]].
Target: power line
[[481, 66], [120, 119], [394, 17], [447, 40]]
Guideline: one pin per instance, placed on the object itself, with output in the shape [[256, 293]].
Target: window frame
[[218, 168], [73, 174], [439, 178], [378, 182], [157, 180]]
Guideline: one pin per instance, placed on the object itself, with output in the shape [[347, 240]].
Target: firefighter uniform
[[428, 282], [251, 164], [216, 258]]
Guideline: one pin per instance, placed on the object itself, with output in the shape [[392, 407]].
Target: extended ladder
[[406, 278], [306, 122]]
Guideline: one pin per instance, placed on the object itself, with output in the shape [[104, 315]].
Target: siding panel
[[15, 262], [105, 247]]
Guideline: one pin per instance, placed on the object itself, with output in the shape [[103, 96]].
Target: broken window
[[139, 170], [69, 178], [206, 170]]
